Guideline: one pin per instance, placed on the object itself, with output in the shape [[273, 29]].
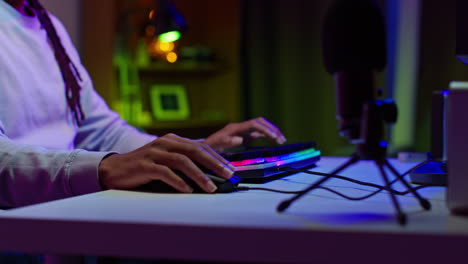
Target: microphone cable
[[379, 187]]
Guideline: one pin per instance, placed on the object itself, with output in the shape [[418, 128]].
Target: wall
[[287, 82], [286, 79], [69, 12], [438, 65]]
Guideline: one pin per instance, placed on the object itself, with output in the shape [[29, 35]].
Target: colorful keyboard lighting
[[280, 160]]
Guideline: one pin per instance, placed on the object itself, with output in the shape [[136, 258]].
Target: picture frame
[[169, 102]]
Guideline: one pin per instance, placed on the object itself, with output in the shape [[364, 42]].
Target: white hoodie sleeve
[[31, 174]]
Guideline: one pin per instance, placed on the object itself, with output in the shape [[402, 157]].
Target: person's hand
[[157, 160], [236, 134]]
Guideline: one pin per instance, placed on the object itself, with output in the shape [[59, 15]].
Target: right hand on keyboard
[[236, 134]]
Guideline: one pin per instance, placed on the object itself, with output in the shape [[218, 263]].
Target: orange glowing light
[[166, 46], [171, 57], [151, 14]]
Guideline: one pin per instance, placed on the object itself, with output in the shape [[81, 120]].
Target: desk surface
[[245, 226]]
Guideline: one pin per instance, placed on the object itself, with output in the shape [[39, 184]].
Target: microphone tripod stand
[[371, 148]]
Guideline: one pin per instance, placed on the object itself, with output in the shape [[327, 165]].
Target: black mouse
[[224, 185]]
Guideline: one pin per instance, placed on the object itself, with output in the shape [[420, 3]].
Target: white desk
[[244, 226]]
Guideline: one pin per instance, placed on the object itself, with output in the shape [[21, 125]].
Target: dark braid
[[67, 68]]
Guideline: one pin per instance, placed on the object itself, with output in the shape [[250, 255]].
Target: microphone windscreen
[[354, 37]]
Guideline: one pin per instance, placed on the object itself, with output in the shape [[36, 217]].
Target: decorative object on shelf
[[134, 48], [164, 27], [169, 24], [162, 51], [169, 102]]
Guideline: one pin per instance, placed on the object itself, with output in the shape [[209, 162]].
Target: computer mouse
[[224, 185]]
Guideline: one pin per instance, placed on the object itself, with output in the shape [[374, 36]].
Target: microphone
[[354, 49]]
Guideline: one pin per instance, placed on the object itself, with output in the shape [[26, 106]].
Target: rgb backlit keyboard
[[264, 162]]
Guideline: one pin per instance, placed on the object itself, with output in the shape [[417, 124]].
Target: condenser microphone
[[354, 50]]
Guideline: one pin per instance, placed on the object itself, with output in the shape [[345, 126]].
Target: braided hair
[[69, 71]]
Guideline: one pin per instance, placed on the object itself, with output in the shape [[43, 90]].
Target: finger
[[165, 174], [255, 135], [256, 125], [268, 124], [206, 147], [280, 139], [189, 141], [231, 141], [235, 141], [198, 154], [186, 166]]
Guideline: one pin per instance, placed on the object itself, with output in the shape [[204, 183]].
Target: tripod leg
[[423, 202], [286, 203], [400, 215]]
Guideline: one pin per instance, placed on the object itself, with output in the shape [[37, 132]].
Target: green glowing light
[[169, 36]]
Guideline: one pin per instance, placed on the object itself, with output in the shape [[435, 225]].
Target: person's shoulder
[[57, 24], [62, 33], [6, 13]]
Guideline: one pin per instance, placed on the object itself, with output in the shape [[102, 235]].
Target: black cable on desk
[[350, 179], [245, 188], [379, 187]]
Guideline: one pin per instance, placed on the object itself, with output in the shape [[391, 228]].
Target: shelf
[[181, 67], [184, 124], [212, 83], [187, 128]]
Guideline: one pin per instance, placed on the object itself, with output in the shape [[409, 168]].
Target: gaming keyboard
[[262, 163]]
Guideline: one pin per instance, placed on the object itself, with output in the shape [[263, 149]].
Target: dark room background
[[272, 63], [284, 78], [286, 81]]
